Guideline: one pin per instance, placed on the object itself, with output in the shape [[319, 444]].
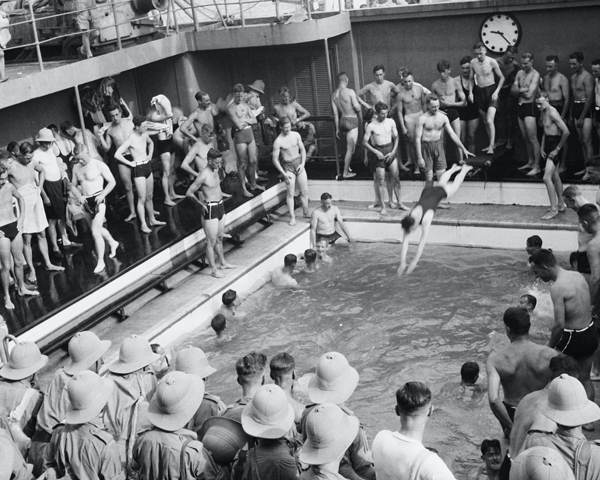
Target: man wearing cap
[[19, 393], [329, 433], [192, 360], [334, 382], [282, 371], [541, 463], [85, 353], [520, 368], [135, 384], [250, 375], [168, 450], [396, 454], [81, 448], [268, 418], [569, 407]]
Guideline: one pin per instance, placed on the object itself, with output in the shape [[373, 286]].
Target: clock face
[[500, 31]]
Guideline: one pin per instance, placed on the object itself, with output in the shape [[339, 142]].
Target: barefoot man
[[11, 242], [411, 100], [119, 131], [485, 93], [555, 137], [582, 104], [242, 118], [199, 151], [288, 145], [141, 148], [213, 217], [322, 222], [423, 212], [381, 143], [90, 176], [345, 107]]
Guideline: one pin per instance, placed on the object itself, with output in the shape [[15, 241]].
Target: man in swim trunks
[[380, 90], [120, 129], [381, 143], [92, 182], [582, 104], [345, 105], [213, 210], [288, 145], [469, 114], [323, 220], [203, 115], [11, 242], [21, 173], [484, 71], [141, 148], [291, 108], [525, 86], [429, 142], [574, 199], [520, 368], [242, 119], [199, 151], [506, 102], [559, 95], [423, 212], [451, 97], [596, 75], [574, 333], [555, 137], [410, 105]]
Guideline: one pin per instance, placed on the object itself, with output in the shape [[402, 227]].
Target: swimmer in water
[[423, 212], [322, 252], [310, 259], [528, 302], [491, 454], [533, 245]]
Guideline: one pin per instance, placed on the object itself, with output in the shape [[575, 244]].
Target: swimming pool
[[419, 327]]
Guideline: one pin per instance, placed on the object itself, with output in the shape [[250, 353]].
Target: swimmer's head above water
[[533, 245], [528, 302], [491, 454], [469, 373], [290, 260], [310, 256]]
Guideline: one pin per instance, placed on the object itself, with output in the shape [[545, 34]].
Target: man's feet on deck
[[374, 205], [113, 249], [227, 266], [26, 292], [535, 171], [349, 175], [101, 266], [527, 166], [52, 268], [217, 274], [130, 217], [550, 214]]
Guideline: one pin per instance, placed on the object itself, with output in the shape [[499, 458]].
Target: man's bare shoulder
[[594, 244]]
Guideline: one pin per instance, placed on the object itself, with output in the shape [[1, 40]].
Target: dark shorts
[[91, 205], [578, 343], [452, 113], [10, 230], [525, 110], [510, 410], [558, 105], [375, 163], [577, 110], [434, 156], [483, 97], [166, 146], [597, 114], [291, 165], [331, 238], [348, 123], [57, 210], [142, 170], [583, 262], [214, 210], [550, 144], [244, 135]]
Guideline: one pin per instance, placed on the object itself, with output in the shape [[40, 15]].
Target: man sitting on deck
[[423, 212], [322, 222]]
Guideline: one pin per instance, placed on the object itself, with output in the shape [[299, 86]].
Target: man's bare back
[[345, 100], [280, 278], [572, 290]]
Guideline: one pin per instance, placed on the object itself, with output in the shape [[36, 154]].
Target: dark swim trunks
[[375, 163], [470, 111], [510, 410], [583, 263], [243, 136], [91, 205], [57, 210], [577, 110], [578, 343], [10, 230], [559, 105], [483, 97], [434, 155], [142, 170], [166, 146], [597, 114], [291, 165], [331, 237], [348, 123], [452, 113], [525, 110], [550, 144], [214, 210]]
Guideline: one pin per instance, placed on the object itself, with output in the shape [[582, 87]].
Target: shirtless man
[[282, 276], [89, 177], [199, 151], [411, 101], [21, 174], [76, 135], [520, 368], [469, 114], [11, 242], [380, 90], [213, 210], [574, 333], [203, 115], [451, 96], [323, 220], [559, 95], [291, 108], [119, 131], [288, 145], [506, 102], [345, 105], [423, 212], [242, 119], [574, 199], [555, 137], [322, 246], [381, 144], [141, 148], [429, 142], [525, 87], [596, 75], [582, 101], [483, 69]]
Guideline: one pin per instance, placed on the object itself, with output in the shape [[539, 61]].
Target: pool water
[[420, 327]]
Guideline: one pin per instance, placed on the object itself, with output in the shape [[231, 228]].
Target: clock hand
[[501, 34]]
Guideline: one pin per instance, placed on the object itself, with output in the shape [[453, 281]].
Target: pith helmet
[[88, 394], [568, 404], [334, 381], [135, 353], [85, 349], [259, 86], [193, 360], [45, 135], [269, 414], [25, 360]]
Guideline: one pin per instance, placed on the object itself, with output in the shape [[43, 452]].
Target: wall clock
[[499, 31]]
